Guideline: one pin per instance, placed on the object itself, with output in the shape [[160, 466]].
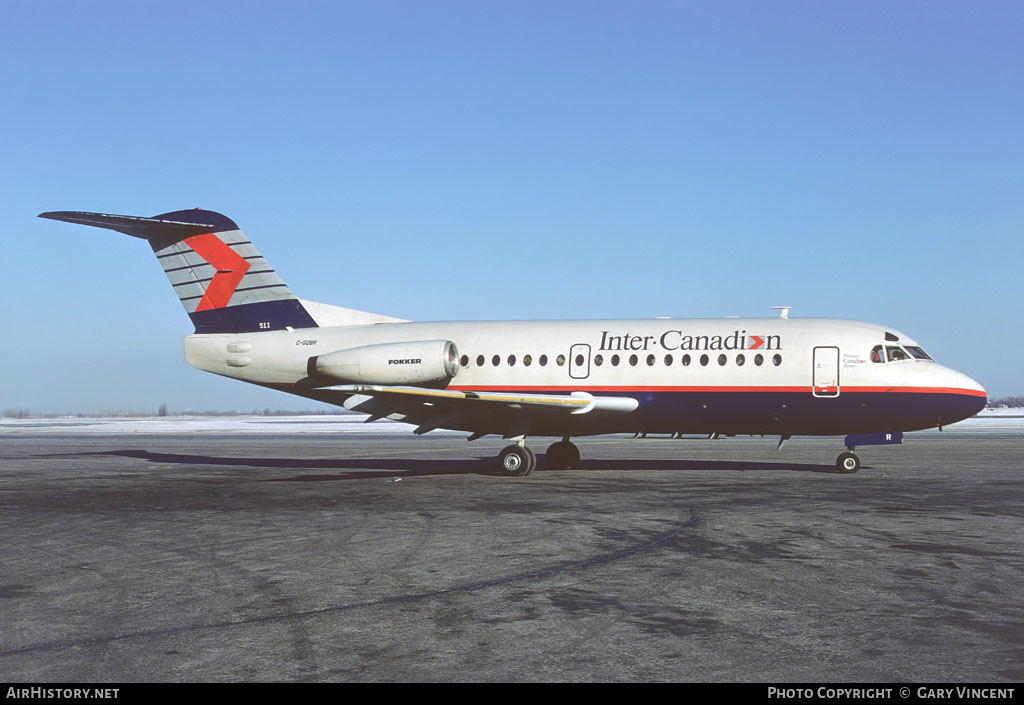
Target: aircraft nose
[[965, 382], [968, 399]]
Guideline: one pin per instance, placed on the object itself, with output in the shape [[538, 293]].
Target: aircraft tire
[[563, 455], [516, 461], [848, 462], [533, 459]]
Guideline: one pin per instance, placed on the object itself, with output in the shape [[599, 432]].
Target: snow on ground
[[341, 423], [994, 418], [1003, 411]]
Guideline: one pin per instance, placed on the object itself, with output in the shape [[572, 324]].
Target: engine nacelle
[[416, 362]]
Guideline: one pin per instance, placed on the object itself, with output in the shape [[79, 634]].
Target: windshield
[[896, 353]]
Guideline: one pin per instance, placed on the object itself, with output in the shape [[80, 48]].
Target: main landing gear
[[518, 459], [563, 455]]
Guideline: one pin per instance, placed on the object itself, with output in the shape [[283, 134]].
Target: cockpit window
[[896, 353]]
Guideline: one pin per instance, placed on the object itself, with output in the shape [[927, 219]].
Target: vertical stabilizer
[[224, 283]]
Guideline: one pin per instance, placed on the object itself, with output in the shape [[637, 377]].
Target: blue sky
[[468, 160]]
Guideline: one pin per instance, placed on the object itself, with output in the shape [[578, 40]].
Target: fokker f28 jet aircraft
[[773, 376]]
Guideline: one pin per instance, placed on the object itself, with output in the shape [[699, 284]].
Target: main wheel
[[563, 455], [848, 462], [517, 460]]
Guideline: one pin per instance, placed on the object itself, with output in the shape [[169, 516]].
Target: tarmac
[[388, 557]]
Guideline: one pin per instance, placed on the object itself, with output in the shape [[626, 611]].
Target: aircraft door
[[579, 361], [826, 372]]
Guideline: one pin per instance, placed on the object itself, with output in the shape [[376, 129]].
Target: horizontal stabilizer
[[222, 280], [146, 228]]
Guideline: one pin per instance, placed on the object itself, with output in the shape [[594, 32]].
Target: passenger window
[[650, 360], [615, 360], [598, 360], [479, 360], [740, 359], [527, 360], [668, 361], [543, 360], [464, 360], [686, 360], [703, 360], [496, 360], [777, 360], [722, 360], [511, 360]]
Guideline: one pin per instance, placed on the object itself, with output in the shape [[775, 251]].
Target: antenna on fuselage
[[783, 311]]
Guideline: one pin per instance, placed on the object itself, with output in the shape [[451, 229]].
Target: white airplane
[[757, 376]]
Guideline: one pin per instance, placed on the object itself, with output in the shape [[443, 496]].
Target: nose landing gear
[[848, 462]]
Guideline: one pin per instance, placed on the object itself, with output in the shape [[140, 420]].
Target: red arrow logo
[[230, 266], [759, 343]]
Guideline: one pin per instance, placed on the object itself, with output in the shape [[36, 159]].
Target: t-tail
[[224, 283], [220, 277]]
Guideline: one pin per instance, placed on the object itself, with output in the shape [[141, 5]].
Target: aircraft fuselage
[[743, 376], [544, 378]]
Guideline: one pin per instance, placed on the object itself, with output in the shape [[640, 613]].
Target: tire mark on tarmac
[[657, 541]]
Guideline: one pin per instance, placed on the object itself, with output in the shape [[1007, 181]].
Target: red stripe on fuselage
[[231, 268], [630, 389], [920, 390]]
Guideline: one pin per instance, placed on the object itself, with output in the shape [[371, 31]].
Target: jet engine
[[417, 362]]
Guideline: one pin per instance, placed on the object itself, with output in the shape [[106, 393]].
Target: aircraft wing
[[472, 410]]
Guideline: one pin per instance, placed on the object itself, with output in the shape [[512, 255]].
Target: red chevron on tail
[[229, 265]]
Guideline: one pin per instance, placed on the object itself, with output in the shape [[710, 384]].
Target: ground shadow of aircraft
[[371, 468]]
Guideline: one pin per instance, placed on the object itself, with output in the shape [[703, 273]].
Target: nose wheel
[[848, 462]]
